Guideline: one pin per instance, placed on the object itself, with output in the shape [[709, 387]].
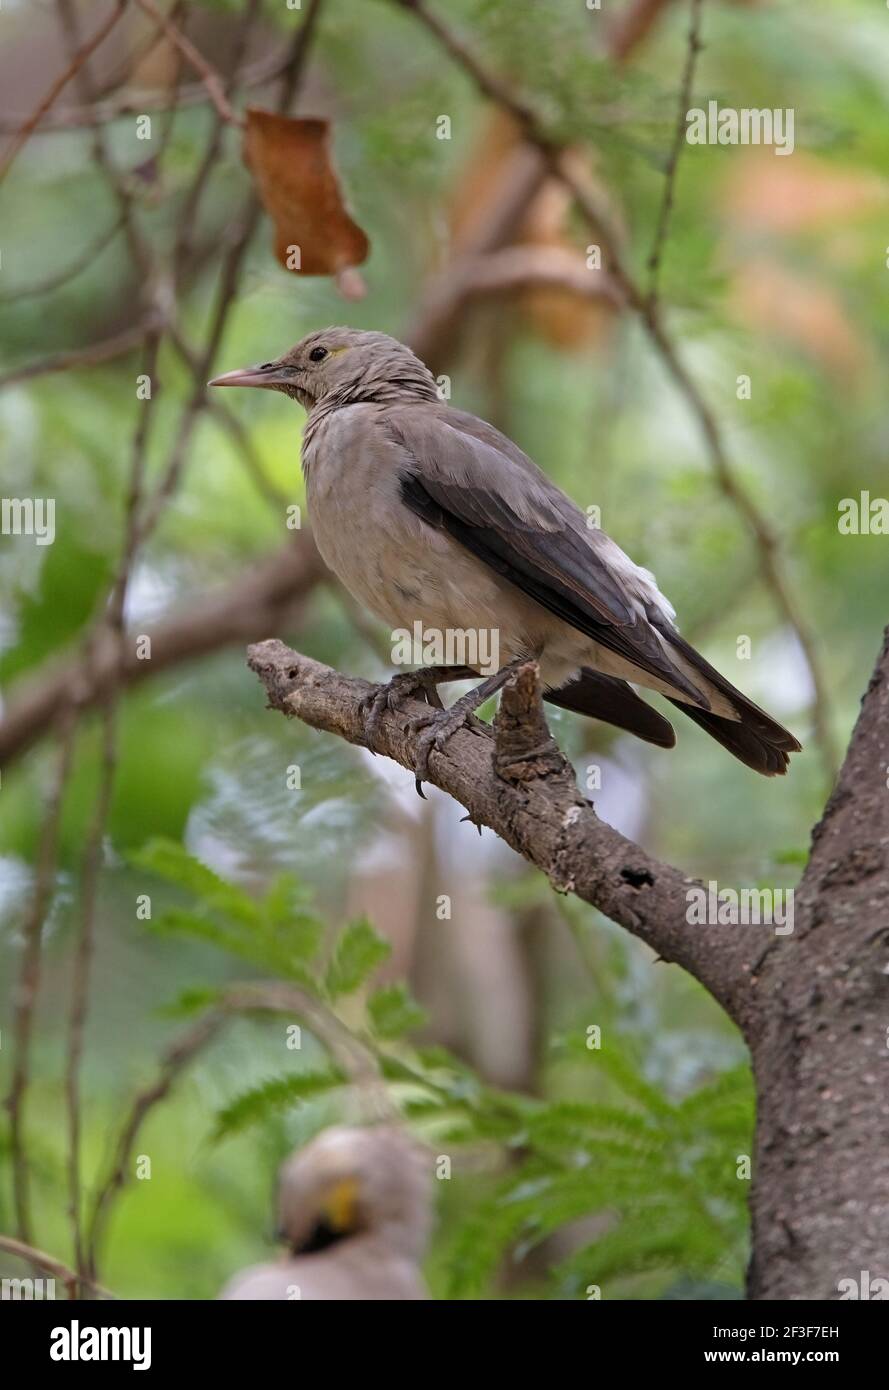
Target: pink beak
[[267, 375]]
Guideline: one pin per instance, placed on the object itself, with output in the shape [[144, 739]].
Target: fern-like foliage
[[648, 1192]]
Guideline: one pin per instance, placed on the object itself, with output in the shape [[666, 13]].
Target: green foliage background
[[619, 1166]]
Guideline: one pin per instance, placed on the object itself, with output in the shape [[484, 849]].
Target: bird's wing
[[464, 477]]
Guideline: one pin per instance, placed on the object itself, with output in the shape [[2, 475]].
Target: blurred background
[[139, 253]]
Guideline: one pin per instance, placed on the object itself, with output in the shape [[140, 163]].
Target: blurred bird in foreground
[[355, 1208], [436, 521]]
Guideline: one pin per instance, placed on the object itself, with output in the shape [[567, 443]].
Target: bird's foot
[[439, 725], [405, 685]]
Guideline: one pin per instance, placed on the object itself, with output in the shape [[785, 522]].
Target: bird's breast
[[398, 567]]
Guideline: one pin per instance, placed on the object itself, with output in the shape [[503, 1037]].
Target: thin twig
[[256, 74], [92, 355], [207, 73], [78, 59], [175, 1059], [82, 262], [56, 1268], [260, 599], [357, 1062], [225, 294], [92, 858], [679, 133], [28, 986]]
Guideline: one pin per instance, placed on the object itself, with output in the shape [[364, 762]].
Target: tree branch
[[521, 786], [55, 1267], [77, 61], [213, 82], [257, 602]]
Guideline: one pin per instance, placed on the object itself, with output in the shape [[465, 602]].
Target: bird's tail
[[614, 701], [753, 737]]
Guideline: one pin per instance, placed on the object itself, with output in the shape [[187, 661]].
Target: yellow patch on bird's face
[[340, 1202], [337, 352]]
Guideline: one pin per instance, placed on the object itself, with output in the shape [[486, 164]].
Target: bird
[[354, 1209], [429, 515]]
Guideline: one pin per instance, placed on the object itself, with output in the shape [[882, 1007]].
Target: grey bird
[[354, 1208], [430, 516]]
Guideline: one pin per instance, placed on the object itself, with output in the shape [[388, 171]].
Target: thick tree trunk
[[819, 1034]]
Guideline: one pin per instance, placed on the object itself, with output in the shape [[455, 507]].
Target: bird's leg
[[440, 725], [403, 686]]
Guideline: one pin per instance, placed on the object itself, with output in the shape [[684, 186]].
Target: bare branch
[[28, 985], [55, 1267], [211, 79], [175, 1059], [81, 263], [522, 787], [77, 61], [499, 273], [259, 600], [92, 355], [685, 90]]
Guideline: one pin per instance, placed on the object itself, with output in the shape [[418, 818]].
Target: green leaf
[[272, 1096], [286, 918], [393, 1012], [189, 1002], [356, 956], [171, 861]]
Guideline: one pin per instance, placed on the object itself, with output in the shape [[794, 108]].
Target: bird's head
[[348, 1182], [341, 366]]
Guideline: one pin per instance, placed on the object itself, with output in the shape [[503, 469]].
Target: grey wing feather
[[464, 477]]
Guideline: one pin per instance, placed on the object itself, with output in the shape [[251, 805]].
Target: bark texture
[[821, 1044]]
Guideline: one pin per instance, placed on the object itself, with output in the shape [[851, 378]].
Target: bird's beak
[[270, 374], [340, 1205]]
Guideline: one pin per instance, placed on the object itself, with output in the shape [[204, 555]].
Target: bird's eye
[[317, 354]]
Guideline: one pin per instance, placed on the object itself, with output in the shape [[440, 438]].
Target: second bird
[[430, 516]]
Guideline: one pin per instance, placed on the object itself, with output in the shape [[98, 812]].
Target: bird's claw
[[386, 699], [435, 728]]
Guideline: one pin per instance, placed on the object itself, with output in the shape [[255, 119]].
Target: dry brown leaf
[[291, 164]]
